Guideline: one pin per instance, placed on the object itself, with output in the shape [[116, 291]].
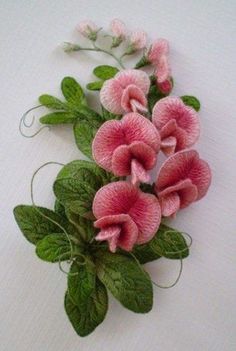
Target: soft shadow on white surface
[[198, 313]]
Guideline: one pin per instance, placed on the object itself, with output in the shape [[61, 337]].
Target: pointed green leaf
[[37, 222], [81, 281], [84, 226], [59, 209], [126, 280], [84, 134], [72, 91], [51, 102], [54, 248], [58, 118], [85, 319], [191, 101], [95, 85], [105, 72], [75, 195]]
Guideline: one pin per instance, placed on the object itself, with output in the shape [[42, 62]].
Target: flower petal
[[172, 107], [170, 204], [108, 137], [139, 173], [159, 48], [110, 96], [133, 99], [134, 76], [163, 69], [138, 128]]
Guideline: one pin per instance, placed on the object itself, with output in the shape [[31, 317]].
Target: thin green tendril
[[23, 123]]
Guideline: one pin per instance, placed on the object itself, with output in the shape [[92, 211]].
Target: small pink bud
[[88, 29], [138, 40], [118, 29], [165, 87], [159, 48]]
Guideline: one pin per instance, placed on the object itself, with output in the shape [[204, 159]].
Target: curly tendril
[[23, 123]]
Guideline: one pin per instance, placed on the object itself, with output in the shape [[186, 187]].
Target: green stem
[[97, 49]]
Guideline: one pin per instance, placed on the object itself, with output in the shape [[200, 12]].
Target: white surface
[[199, 313]]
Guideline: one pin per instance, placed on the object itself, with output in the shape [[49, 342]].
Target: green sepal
[[37, 222], [191, 101], [53, 248], [105, 72], [97, 85], [58, 118], [126, 280], [85, 319], [142, 62], [81, 281]]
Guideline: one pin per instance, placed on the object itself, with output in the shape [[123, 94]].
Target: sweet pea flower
[[138, 40], [119, 31], [125, 215], [183, 179], [158, 49], [177, 124], [88, 29], [126, 92], [127, 147]]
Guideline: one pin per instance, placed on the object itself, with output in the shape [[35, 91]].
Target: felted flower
[[128, 146], [177, 124], [138, 40], [158, 49], [125, 215], [88, 29], [183, 179], [126, 92]]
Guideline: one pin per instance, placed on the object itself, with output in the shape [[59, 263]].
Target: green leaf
[[84, 134], [51, 102], [167, 242], [154, 95], [105, 72], [95, 85], [54, 248], [85, 319], [126, 280], [84, 226], [58, 118], [108, 115], [59, 209], [170, 243], [35, 223], [191, 101], [87, 114], [72, 91], [75, 195], [81, 282]]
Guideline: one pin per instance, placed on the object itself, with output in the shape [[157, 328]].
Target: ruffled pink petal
[[146, 213], [110, 96], [114, 198], [118, 230], [108, 137], [133, 99], [173, 108], [139, 173], [159, 48], [170, 204], [168, 145], [134, 76], [124, 198], [186, 173], [124, 154], [163, 69], [138, 128]]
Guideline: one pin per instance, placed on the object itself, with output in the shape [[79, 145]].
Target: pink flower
[[138, 40], [166, 86], [118, 29], [177, 124], [157, 50], [183, 179], [128, 146], [126, 92], [88, 29], [125, 215], [163, 71]]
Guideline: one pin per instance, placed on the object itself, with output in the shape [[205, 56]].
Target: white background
[[199, 314]]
